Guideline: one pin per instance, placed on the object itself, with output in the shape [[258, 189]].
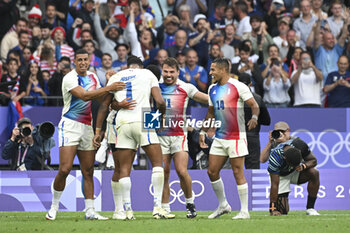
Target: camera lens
[[26, 131], [46, 129], [276, 134]]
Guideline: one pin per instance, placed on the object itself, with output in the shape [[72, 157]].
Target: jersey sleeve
[[210, 103], [244, 91], [70, 82], [274, 162], [191, 90], [154, 80]]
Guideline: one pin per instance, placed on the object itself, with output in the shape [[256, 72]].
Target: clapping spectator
[[307, 83], [276, 87], [337, 85], [185, 19], [35, 86], [13, 92], [337, 18]]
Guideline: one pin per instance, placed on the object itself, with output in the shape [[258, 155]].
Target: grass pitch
[[295, 221]]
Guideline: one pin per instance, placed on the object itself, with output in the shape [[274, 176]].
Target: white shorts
[[111, 133], [131, 135], [285, 181], [172, 144], [72, 133], [230, 148]]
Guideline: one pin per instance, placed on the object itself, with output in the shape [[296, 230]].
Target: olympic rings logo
[[179, 195], [329, 153]]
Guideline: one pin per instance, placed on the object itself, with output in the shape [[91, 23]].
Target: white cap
[[198, 17], [278, 1]]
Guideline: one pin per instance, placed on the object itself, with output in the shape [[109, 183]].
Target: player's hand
[[128, 104], [275, 213], [96, 141], [252, 123], [110, 73], [117, 86], [202, 143]]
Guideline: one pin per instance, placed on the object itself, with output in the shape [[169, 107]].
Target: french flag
[[14, 114]]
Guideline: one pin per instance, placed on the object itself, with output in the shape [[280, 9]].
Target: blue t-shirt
[[197, 69], [340, 95]]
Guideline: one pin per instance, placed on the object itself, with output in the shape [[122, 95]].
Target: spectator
[[106, 65], [337, 19], [230, 31], [51, 16], [147, 42], [45, 56], [293, 44], [214, 52], [185, 19], [245, 65], [34, 18], [45, 29], [251, 8], [194, 73], [327, 53], [276, 87], [273, 16], [303, 25], [259, 37], [63, 68], [201, 39], [35, 88], [307, 83], [28, 56], [86, 13], [252, 57], [109, 38], [218, 18], [28, 152], [95, 61], [161, 10], [180, 43], [338, 85], [273, 55], [10, 40], [13, 92], [317, 9], [121, 63], [181, 60], [227, 50], [294, 61], [23, 41], [281, 40], [61, 48], [17, 55], [166, 33], [241, 10], [9, 15], [162, 54], [229, 16], [196, 6]]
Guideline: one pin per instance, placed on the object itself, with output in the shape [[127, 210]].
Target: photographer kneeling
[[290, 162], [29, 147]]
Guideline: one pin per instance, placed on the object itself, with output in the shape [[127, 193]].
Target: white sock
[[219, 190], [125, 185], [243, 196], [189, 200], [56, 196], [89, 204], [158, 183], [117, 196], [166, 206]]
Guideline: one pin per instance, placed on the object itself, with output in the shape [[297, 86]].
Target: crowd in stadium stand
[[295, 51]]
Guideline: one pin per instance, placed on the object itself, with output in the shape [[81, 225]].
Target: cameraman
[[290, 162], [28, 148]]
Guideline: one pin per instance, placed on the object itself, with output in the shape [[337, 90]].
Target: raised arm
[[81, 93]]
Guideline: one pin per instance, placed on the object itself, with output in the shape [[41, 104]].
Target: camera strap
[[20, 159]]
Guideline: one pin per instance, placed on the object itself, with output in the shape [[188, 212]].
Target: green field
[[296, 221]]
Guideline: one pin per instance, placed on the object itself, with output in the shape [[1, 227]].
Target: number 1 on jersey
[[128, 90], [167, 102]]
